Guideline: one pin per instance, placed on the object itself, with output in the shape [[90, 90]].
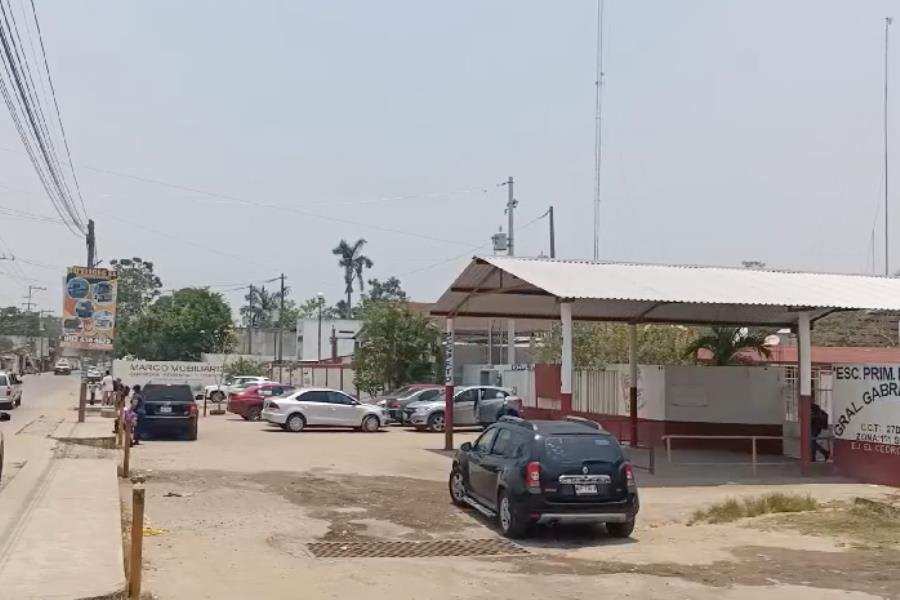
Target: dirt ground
[[238, 509]]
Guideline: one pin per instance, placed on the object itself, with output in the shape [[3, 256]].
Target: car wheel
[[436, 422], [620, 530], [254, 414], [217, 396], [457, 485], [295, 423], [192, 435], [370, 424], [509, 517]]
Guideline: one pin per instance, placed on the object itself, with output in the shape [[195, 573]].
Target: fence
[[598, 392]]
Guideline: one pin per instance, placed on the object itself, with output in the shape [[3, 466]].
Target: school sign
[[866, 421]]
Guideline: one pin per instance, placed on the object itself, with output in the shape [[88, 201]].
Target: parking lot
[[244, 511]]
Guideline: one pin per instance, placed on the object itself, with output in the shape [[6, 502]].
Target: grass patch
[[733, 509], [868, 523]]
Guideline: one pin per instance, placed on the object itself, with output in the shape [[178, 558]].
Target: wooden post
[[126, 460], [753, 455], [82, 397], [137, 542]]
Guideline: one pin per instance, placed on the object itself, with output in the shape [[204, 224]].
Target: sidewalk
[[60, 523]]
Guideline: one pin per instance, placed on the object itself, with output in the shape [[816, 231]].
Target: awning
[[531, 288]]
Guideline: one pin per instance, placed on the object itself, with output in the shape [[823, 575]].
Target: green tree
[[596, 345], [265, 307], [137, 286], [353, 262], [181, 326], [724, 343], [389, 290], [309, 309], [244, 366], [396, 347]]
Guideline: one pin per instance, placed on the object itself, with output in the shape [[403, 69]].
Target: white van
[[10, 390]]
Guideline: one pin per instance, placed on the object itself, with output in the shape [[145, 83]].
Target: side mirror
[[466, 447], [4, 416]]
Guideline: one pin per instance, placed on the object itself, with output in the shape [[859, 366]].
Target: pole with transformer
[[281, 332], [511, 204]]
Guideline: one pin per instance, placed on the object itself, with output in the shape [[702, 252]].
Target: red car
[[248, 403]]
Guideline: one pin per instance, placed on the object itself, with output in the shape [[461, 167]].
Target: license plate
[[585, 489], [165, 409]]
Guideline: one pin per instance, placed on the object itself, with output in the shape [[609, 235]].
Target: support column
[[804, 374], [633, 383], [565, 314], [448, 386], [511, 342]]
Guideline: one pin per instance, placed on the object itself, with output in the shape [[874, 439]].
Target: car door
[[478, 475], [345, 410], [492, 463], [316, 406], [464, 406]]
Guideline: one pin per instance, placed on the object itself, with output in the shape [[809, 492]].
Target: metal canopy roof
[[531, 288]]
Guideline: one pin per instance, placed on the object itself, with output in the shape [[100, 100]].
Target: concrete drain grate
[[414, 549]]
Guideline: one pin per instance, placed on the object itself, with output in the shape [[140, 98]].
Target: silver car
[[322, 407], [472, 405]]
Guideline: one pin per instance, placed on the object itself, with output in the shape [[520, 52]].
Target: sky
[[732, 131]]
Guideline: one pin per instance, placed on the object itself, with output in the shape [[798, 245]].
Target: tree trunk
[[349, 311]]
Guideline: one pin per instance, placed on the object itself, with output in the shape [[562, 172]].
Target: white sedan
[[322, 407]]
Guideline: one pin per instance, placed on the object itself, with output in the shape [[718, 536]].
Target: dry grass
[[868, 523], [734, 509]]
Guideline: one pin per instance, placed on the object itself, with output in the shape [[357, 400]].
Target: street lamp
[[321, 303]]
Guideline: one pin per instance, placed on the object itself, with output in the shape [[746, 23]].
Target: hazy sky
[[733, 130]]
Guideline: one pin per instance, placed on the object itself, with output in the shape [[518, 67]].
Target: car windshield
[[168, 393], [580, 448], [403, 391]]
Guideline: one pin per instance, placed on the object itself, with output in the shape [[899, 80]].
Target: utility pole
[[41, 338], [29, 303], [281, 331], [511, 204], [91, 244], [250, 323], [887, 26], [552, 234]]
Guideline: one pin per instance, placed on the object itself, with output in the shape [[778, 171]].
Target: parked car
[[534, 472], [219, 392], [93, 375], [473, 405], [62, 367], [171, 410], [396, 402], [248, 403], [322, 407], [10, 390]]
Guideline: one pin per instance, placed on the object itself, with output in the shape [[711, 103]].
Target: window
[[3, 380], [483, 444], [339, 398], [504, 445], [470, 395], [489, 393], [431, 394], [578, 448], [316, 396], [279, 390]]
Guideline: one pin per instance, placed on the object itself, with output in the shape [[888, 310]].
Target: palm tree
[[725, 343], [353, 262]]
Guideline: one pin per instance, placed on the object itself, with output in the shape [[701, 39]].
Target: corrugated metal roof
[[621, 291]]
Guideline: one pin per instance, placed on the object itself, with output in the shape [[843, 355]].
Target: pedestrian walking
[[818, 423], [139, 412]]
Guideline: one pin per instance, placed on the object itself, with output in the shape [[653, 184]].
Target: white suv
[[10, 390], [321, 407]]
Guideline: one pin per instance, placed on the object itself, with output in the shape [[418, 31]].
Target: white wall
[[724, 394], [308, 337]]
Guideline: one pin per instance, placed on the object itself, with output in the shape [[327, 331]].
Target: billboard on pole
[[89, 309]]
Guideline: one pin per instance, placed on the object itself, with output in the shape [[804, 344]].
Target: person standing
[[107, 386], [818, 423], [140, 411]]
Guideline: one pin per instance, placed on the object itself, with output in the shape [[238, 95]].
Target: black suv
[[170, 409], [529, 472]]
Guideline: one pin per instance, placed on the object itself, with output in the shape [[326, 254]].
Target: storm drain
[[414, 549]]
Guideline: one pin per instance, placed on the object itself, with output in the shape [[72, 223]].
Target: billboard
[[89, 309]]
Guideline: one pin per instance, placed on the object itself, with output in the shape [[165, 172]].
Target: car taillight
[[533, 476], [192, 409], [629, 477], [9, 391]]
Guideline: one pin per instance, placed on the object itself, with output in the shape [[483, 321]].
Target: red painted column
[[633, 385], [804, 374], [567, 367]]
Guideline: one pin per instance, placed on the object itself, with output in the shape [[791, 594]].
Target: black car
[[170, 410], [533, 472]]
